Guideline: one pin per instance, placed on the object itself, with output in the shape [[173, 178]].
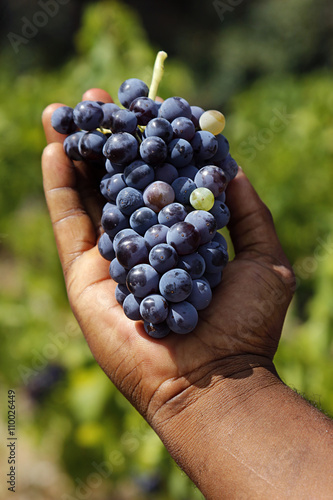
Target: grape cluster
[[167, 167]]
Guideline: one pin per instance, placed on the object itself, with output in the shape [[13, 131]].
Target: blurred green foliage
[[281, 131]]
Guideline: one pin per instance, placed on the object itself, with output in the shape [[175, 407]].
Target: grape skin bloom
[[154, 309], [142, 280], [131, 89], [184, 237], [182, 318], [62, 120], [88, 115], [175, 285], [163, 257]]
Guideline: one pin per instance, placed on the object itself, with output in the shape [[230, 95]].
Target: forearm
[[246, 435]]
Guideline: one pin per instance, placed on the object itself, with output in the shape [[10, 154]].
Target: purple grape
[[128, 200], [156, 235], [123, 120], [132, 250], [153, 150], [219, 238], [180, 153], [157, 195], [169, 215], [158, 331], [113, 168], [212, 178], [91, 145], [142, 219], [221, 213], [111, 185], [88, 115], [113, 221], [189, 171], [175, 285], [131, 306], [229, 167], [121, 293], [222, 149], [215, 255], [193, 263], [222, 197], [154, 309], [196, 113], [182, 318], [105, 247], [108, 109], [139, 175], [163, 257], [119, 236], [183, 128], [159, 127], [121, 148], [132, 89], [117, 272], [71, 146], [184, 237], [142, 280], [145, 109], [205, 223], [166, 173], [173, 107], [108, 206], [201, 294], [62, 120], [204, 145], [183, 187]]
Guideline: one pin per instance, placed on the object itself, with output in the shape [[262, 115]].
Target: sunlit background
[[267, 65]]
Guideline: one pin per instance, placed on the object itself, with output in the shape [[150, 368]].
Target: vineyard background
[[267, 65]]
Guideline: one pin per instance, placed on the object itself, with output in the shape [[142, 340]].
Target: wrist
[[227, 382], [209, 410], [239, 432]]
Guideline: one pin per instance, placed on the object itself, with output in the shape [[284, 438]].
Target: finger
[[51, 134], [73, 228], [88, 185], [251, 224], [97, 95]]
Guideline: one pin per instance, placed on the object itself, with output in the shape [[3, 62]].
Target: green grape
[[212, 121], [202, 199]]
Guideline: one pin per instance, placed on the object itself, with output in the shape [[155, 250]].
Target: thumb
[[251, 224]]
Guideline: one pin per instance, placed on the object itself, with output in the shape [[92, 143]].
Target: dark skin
[[221, 367]]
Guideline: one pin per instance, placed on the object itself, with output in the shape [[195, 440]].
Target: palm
[[126, 353], [235, 322]]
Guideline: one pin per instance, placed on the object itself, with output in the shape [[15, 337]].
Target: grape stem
[[104, 130], [157, 74]]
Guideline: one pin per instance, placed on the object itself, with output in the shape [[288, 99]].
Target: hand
[[213, 396], [246, 314]]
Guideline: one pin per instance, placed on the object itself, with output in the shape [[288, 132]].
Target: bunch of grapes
[[167, 167]]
